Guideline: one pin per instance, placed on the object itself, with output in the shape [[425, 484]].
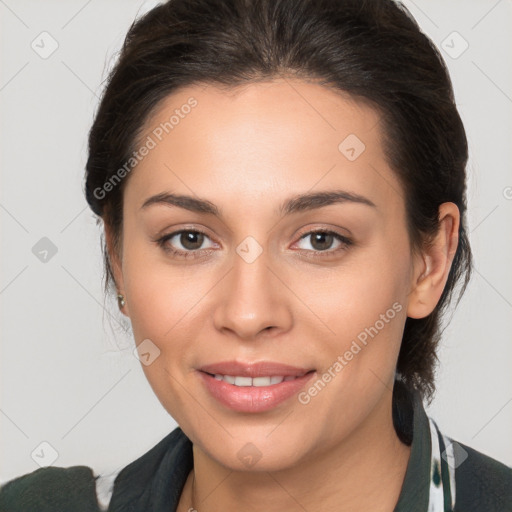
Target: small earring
[[120, 300]]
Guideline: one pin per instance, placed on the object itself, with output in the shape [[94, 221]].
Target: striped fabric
[[441, 494]]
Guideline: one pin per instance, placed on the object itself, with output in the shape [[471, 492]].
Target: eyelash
[[162, 242]]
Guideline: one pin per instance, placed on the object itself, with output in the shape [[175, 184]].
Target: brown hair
[[372, 49]]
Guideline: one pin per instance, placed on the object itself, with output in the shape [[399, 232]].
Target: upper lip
[[259, 369]]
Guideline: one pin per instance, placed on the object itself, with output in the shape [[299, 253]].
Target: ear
[[115, 259], [433, 265]]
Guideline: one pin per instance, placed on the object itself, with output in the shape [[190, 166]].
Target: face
[[247, 274]]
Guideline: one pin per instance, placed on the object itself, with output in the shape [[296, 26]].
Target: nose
[[253, 300]]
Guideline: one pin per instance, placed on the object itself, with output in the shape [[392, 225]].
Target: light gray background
[[68, 374]]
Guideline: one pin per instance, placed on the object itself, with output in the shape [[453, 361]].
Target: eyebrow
[[301, 202]]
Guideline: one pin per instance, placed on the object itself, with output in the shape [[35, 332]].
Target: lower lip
[[253, 398]]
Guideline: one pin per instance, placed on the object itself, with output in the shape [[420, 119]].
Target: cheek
[[353, 296], [364, 306], [159, 295], [163, 306]]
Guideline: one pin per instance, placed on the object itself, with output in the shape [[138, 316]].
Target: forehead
[[260, 138]]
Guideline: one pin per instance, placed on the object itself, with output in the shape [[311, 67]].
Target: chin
[[255, 449]]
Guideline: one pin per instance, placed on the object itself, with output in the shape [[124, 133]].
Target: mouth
[[254, 370], [239, 380], [255, 387]]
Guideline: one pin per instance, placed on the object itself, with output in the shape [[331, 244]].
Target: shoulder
[[77, 489], [51, 489], [482, 483]]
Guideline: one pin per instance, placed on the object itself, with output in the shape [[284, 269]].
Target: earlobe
[[434, 264], [116, 268]]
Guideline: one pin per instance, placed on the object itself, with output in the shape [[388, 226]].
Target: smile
[[261, 387], [239, 380]]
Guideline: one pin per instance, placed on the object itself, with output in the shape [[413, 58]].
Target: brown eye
[[323, 241], [191, 240], [185, 243]]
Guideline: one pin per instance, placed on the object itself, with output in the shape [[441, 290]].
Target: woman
[[282, 187]]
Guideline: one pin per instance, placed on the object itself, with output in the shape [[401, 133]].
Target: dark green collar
[[415, 488]]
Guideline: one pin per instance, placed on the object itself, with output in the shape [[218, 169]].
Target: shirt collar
[[429, 482], [414, 494]]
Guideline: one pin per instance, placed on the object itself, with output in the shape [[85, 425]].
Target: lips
[[261, 369], [253, 387]]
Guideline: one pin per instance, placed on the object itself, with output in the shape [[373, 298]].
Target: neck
[[364, 472]]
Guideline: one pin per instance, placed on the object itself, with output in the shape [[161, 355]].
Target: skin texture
[[247, 150]]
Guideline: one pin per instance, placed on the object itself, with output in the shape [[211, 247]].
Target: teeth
[[243, 381], [256, 381]]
